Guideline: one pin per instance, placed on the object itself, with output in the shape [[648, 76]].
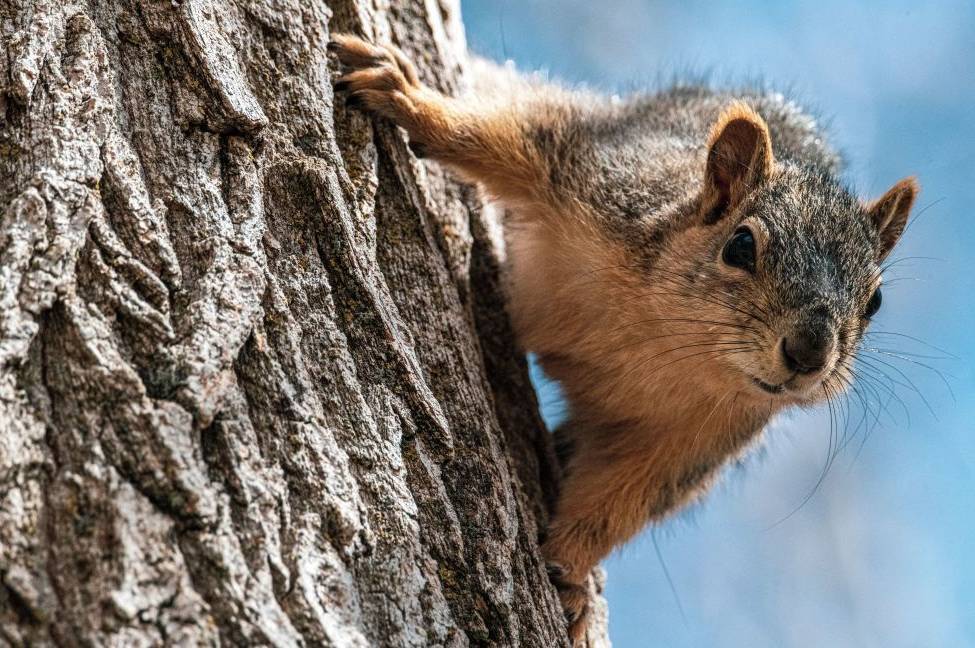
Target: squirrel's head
[[784, 263]]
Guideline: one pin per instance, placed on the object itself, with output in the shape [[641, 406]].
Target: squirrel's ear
[[889, 213], [739, 159]]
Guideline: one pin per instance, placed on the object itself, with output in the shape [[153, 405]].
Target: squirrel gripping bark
[[685, 263]]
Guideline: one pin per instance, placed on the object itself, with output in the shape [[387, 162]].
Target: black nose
[[807, 350]]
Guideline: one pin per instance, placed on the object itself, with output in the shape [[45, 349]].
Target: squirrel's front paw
[[379, 79], [575, 602]]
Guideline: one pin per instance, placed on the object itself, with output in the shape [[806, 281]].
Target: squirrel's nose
[[807, 350]]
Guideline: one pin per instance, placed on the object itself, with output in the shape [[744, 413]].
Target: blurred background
[[882, 553]]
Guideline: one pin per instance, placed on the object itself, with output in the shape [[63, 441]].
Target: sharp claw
[[561, 583], [341, 86], [556, 572], [419, 150], [332, 46]]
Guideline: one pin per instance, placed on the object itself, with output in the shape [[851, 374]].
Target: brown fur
[[891, 210], [739, 157], [647, 360]]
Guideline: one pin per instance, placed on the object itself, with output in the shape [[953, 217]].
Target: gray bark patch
[[257, 385]]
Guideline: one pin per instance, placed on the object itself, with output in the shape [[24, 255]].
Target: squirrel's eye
[[876, 299], [739, 251]]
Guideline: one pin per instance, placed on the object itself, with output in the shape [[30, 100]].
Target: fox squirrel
[[686, 264]]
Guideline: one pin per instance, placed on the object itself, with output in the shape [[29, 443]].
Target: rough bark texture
[[257, 386]]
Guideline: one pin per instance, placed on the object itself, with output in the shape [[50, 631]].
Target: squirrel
[[686, 264]]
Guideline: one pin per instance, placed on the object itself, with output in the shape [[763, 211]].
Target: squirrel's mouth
[[771, 389]]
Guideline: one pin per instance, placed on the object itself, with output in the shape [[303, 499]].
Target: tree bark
[[257, 385]]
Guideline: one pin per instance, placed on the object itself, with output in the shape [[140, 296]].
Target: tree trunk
[[257, 386]]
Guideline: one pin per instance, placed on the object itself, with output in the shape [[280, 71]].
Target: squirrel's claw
[[378, 79], [574, 598], [357, 54]]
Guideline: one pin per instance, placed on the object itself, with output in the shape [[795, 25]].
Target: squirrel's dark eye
[[739, 251], [876, 299]]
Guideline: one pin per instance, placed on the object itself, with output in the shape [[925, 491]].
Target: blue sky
[[883, 554]]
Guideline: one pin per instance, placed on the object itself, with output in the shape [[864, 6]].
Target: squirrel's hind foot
[[574, 598]]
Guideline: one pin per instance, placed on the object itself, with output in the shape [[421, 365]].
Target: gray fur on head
[[638, 167]]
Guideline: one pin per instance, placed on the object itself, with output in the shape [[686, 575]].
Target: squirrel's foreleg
[[490, 144]]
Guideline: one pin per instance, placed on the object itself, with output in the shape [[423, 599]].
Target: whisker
[[900, 260], [851, 388], [913, 339], [692, 355], [822, 475], [642, 341], [905, 377], [906, 354], [915, 362], [670, 581], [917, 214], [707, 299], [727, 304], [688, 320], [874, 381]]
